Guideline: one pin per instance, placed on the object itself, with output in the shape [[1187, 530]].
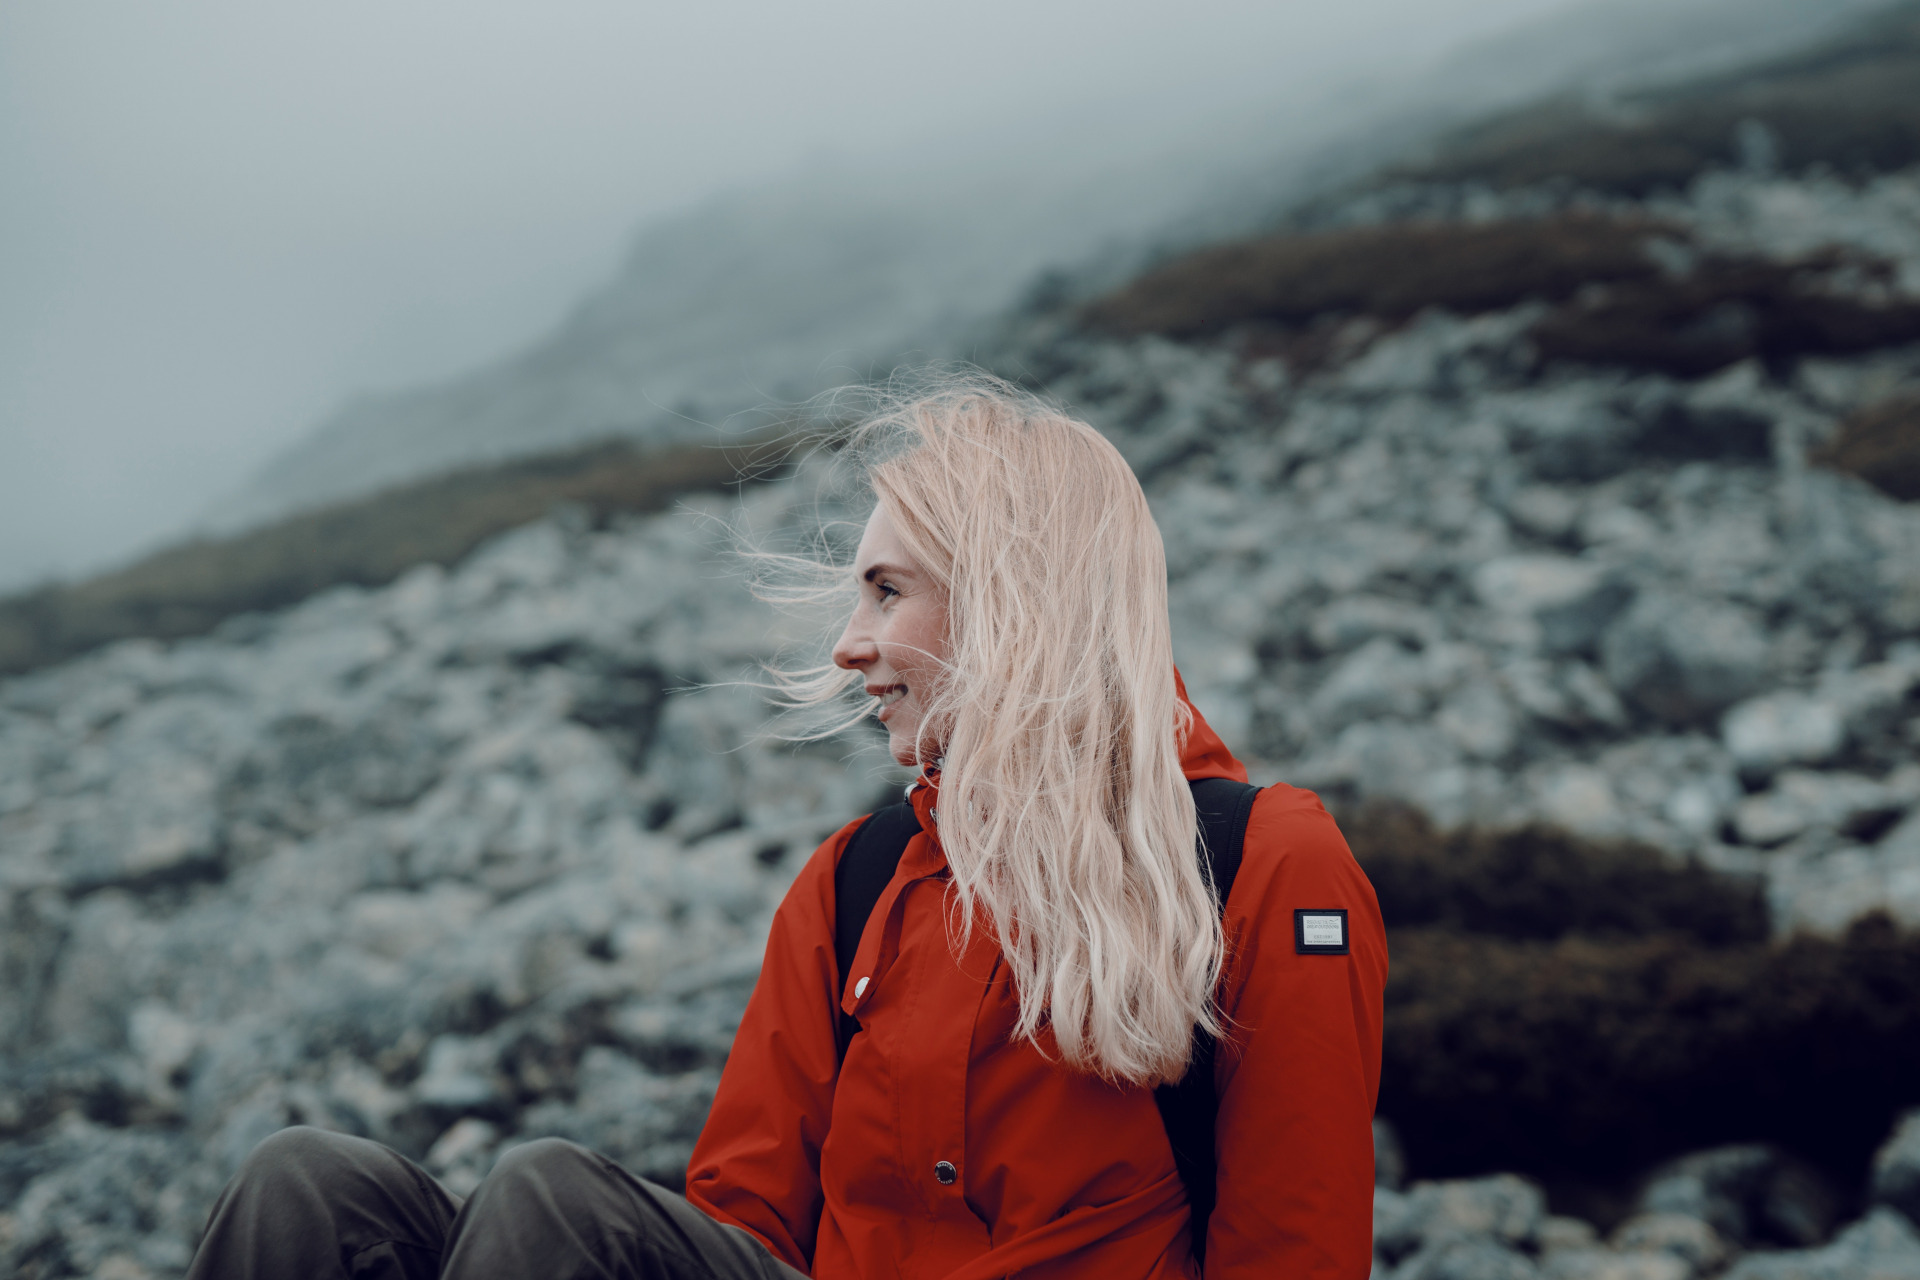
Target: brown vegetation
[[1568, 1007], [1296, 295], [1541, 883], [1390, 272], [1727, 310], [1849, 106], [1881, 445], [188, 590], [1601, 1056]]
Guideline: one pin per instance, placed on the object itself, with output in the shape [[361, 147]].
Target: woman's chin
[[901, 745], [902, 752]]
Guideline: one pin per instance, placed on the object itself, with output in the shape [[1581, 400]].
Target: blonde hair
[[1065, 816]]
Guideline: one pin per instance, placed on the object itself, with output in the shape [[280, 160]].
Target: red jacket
[[1058, 1175]]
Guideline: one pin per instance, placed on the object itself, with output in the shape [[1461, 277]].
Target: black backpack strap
[[1223, 807], [865, 869], [1188, 1109]]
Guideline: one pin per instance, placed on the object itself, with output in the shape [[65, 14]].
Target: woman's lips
[[889, 699]]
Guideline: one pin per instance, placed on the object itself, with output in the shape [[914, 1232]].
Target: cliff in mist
[[769, 294]]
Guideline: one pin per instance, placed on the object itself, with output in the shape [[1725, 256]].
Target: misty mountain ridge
[[770, 294]]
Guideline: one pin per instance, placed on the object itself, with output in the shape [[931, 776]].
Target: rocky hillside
[[1560, 533], [1515, 512]]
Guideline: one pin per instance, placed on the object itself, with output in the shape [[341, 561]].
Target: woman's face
[[896, 638]]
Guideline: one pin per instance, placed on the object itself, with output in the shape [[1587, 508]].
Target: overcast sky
[[219, 218]]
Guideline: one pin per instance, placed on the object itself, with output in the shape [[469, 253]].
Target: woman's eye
[[885, 590]]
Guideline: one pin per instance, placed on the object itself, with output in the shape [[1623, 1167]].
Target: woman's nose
[[854, 649]]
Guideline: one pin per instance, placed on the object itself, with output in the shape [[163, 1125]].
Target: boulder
[[1571, 601], [1801, 800], [1896, 1168], [1559, 1233], [1823, 888], [1608, 1264], [1379, 679], [1545, 511], [1352, 621], [1683, 661], [1881, 1246], [1747, 1194], [1503, 1210], [1455, 1259], [1690, 1239], [462, 1155], [1773, 730], [1875, 698]]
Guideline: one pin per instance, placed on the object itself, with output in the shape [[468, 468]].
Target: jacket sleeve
[[1299, 1070], [757, 1163]]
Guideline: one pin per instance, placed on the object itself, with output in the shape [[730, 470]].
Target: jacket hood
[[1203, 755]]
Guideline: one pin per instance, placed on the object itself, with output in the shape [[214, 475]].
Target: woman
[[1039, 961]]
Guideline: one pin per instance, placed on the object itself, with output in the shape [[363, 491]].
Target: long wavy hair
[[1064, 813]]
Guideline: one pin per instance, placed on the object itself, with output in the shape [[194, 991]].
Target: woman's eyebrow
[[885, 570]]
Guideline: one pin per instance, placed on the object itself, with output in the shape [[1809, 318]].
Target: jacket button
[[946, 1173], [859, 988]]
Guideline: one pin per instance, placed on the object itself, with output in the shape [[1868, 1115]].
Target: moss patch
[[1603, 1056], [1390, 272], [1727, 310], [1612, 303], [1581, 1010], [1540, 883], [188, 590]]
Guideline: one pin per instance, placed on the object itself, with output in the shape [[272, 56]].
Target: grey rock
[[1747, 1194], [1873, 700], [1608, 1264], [646, 1122], [1896, 1168], [1503, 1210], [1456, 1259], [1379, 679], [110, 1199], [1800, 800], [1778, 729], [1825, 886], [1684, 661], [1571, 601], [1545, 511], [1352, 621], [1578, 797], [1881, 1246], [1692, 1240], [463, 1155], [458, 1075], [1558, 1232]]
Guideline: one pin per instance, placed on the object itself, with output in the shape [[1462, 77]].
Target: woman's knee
[[545, 1160], [305, 1152]]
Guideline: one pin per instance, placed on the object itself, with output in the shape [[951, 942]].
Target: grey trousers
[[309, 1204]]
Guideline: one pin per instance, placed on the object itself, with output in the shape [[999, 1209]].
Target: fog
[[219, 220]]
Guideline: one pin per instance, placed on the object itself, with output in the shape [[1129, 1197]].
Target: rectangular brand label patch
[[1320, 931]]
